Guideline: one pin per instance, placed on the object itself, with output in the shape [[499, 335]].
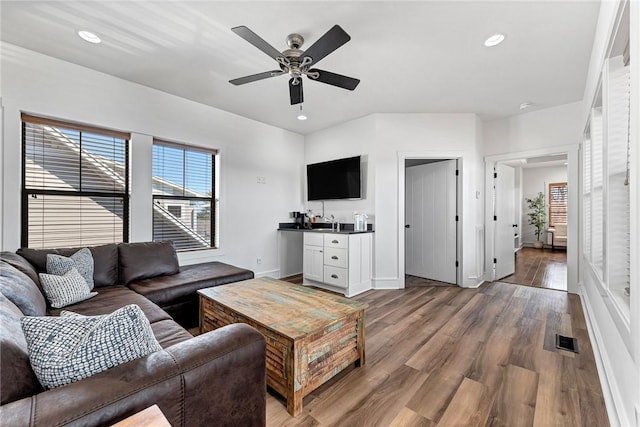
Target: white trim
[[199, 256], [387, 283], [271, 273], [573, 181], [613, 400], [474, 286], [402, 156]]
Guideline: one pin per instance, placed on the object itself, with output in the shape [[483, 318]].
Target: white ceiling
[[411, 57]]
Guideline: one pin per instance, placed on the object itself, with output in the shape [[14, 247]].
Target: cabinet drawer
[[335, 276], [313, 239], [336, 240], [336, 257]]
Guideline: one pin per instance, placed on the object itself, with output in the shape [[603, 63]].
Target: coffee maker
[[298, 218]]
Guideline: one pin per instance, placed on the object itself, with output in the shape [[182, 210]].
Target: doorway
[[431, 220], [546, 177]]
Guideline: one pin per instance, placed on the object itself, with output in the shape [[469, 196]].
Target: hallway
[[541, 268]]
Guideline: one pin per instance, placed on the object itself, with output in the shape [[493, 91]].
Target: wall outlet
[[261, 180], [258, 260]]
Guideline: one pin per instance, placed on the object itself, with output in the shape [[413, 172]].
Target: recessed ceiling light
[[89, 36], [525, 105], [494, 40], [566, 163]]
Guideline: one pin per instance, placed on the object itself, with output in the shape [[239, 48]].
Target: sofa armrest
[[217, 378]]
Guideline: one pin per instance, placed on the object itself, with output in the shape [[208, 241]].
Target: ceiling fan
[[297, 62]]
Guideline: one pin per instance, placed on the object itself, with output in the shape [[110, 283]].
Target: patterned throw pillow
[[67, 349], [81, 261], [64, 290]]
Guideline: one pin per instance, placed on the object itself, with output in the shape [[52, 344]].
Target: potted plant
[[537, 216]]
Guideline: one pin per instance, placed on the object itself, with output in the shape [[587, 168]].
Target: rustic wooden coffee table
[[311, 334]]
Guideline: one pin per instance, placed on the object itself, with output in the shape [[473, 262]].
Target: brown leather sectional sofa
[[217, 378]]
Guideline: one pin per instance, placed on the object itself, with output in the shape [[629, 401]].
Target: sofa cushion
[[146, 260], [105, 261], [67, 289], [168, 290], [111, 298], [21, 264], [63, 350], [81, 261], [18, 379], [168, 333], [20, 290]]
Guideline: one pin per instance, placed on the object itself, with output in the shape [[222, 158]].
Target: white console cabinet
[[338, 262]]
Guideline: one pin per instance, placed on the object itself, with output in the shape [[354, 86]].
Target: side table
[[150, 417]]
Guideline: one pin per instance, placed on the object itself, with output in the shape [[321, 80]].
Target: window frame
[[212, 199], [26, 193]]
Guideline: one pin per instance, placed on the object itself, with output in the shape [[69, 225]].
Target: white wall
[[385, 140], [535, 180], [549, 127], [249, 212]]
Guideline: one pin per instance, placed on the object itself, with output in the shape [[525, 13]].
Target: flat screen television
[[336, 179]]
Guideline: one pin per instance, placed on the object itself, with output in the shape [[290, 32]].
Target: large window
[[184, 195], [75, 184], [607, 187]]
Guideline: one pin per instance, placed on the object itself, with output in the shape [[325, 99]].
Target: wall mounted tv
[[336, 179]]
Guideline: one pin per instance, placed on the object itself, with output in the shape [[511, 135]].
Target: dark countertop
[[323, 228]]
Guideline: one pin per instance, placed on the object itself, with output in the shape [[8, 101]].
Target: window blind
[[75, 184], [618, 196], [586, 201], [183, 195], [558, 198], [597, 205]]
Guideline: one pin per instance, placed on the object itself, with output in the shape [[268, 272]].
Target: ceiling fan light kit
[[297, 62]]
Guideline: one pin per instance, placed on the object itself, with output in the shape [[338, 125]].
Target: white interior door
[[430, 218], [504, 212]]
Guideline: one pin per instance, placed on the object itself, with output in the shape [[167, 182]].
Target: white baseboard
[[272, 273], [387, 283], [476, 286], [610, 389]]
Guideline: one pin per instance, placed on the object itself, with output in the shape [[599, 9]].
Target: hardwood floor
[[443, 355], [542, 268]]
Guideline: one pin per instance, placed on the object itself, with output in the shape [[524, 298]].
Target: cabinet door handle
[[334, 241], [334, 257], [335, 276]]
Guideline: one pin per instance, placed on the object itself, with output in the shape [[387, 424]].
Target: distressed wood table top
[[292, 310]]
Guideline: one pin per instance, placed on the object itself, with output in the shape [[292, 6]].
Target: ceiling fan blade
[[334, 79], [295, 92], [255, 77], [330, 41], [257, 41]]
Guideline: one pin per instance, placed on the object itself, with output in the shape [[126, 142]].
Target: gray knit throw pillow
[[62, 291], [67, 349], [81, 261]]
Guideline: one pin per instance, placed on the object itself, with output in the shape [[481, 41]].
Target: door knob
[[407, 226]]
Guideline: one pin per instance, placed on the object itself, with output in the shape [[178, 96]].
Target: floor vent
[[566, 343]]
